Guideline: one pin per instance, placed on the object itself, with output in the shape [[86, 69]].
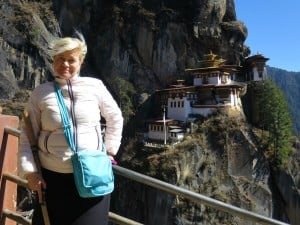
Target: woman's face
[[67, 64]]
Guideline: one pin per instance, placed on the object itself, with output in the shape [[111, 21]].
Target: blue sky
[[273, 30]]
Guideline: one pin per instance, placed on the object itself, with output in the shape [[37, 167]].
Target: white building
[[214, 86], [254, 68], [167, 130]]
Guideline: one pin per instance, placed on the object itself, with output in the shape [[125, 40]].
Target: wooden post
[[8, 163]]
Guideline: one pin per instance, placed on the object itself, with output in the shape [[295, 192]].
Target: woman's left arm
[[114, 121]]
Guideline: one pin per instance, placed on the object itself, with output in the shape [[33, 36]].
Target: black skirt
[[66, 207]]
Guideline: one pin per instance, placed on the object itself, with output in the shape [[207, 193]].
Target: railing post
[[8, 163]]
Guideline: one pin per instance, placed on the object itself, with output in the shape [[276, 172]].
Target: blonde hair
[[61, 45]]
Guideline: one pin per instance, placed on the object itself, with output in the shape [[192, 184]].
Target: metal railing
[[195, 197], [155, 183]]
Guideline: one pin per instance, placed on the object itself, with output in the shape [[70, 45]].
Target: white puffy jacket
[[89, 99]]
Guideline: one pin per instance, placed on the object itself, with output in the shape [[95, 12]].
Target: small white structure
[[255, 69], [164, 130]]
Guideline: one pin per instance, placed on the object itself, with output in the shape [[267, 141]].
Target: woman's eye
[[63, 60]]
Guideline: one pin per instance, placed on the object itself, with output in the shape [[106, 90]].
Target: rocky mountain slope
[[221, 159], [136, 47]]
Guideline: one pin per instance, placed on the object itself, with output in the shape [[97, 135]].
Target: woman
[[89, 100]]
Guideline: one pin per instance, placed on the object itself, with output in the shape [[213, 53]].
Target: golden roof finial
[[211, 60]]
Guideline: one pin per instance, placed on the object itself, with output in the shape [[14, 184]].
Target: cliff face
[[25, 29], [148, 44], [152, 42]]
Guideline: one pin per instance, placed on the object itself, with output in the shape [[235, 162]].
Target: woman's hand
[[36, 183], [113, 161]]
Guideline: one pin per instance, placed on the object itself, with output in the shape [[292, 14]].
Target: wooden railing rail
[[18, 216]]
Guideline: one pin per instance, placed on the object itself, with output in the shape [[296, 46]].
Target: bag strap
[[65, 117]]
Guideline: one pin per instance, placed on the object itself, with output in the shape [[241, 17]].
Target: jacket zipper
[[98, 137], [73, 118], [72, 111]]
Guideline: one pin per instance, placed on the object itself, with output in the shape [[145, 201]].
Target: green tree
[[125, 93], [276, 119]]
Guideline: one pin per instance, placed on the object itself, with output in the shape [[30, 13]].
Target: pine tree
[[276, 119]]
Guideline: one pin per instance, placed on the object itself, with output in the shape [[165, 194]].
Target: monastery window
[[171, 104], [178, 104], [151, 127], [224, 79], [205, 80], [182, 104]]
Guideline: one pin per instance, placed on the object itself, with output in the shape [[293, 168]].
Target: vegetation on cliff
[[275, 118], [289, 83]]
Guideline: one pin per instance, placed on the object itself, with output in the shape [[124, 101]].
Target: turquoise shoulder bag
[[92, 168]]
